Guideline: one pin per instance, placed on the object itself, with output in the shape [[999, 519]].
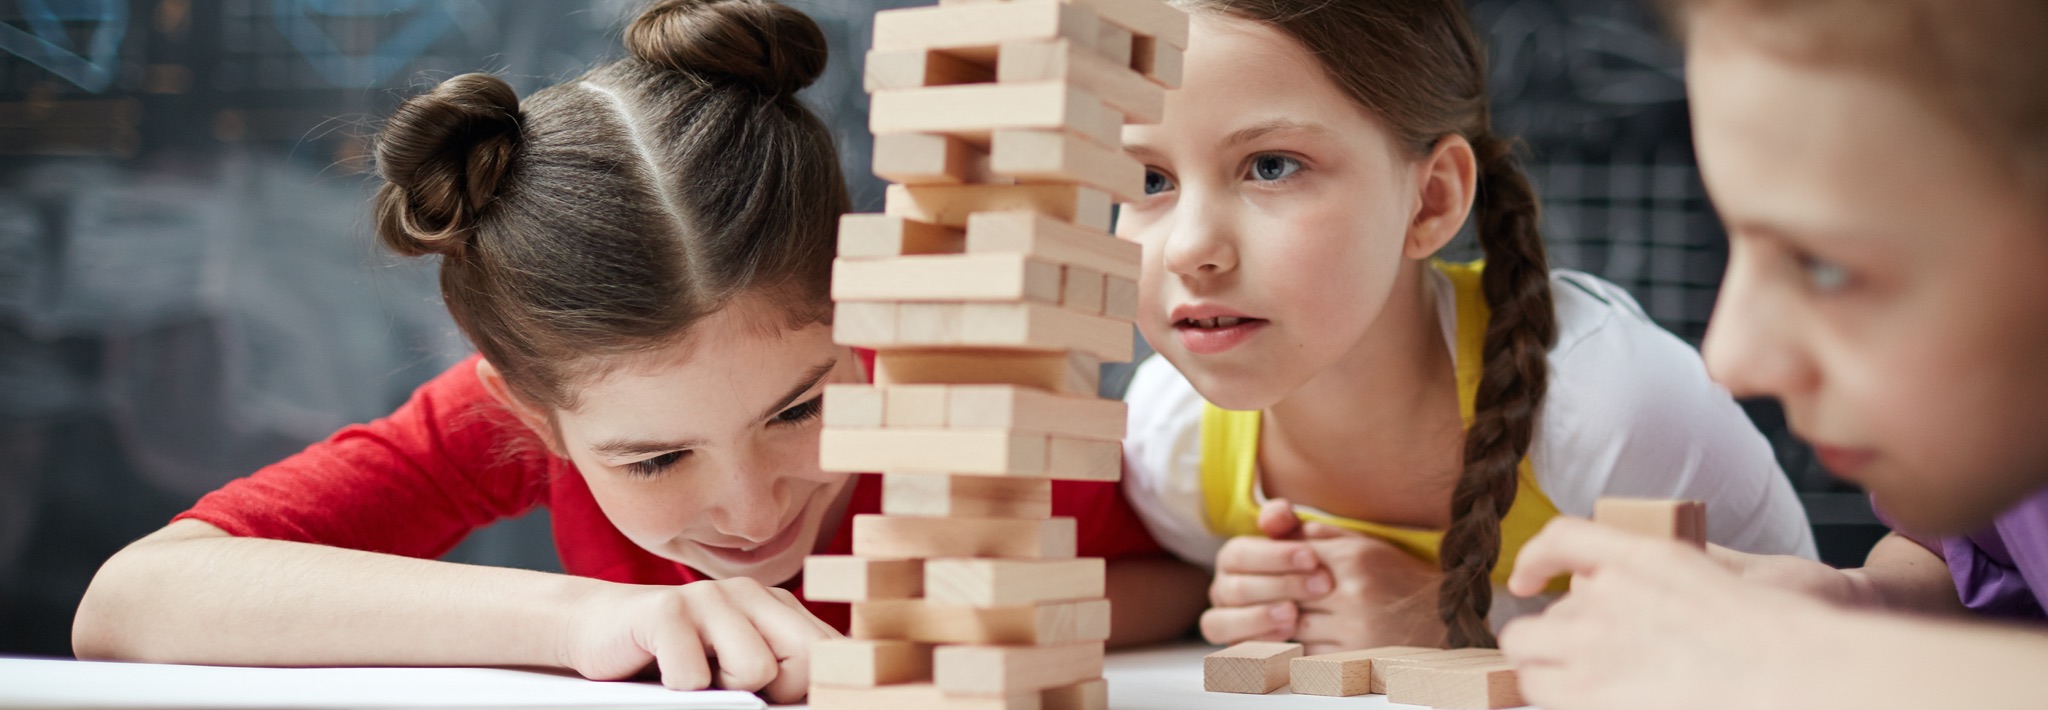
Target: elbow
[[95, 628]]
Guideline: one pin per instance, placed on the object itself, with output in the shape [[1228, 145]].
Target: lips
[[1845, 463], [1207, 329]]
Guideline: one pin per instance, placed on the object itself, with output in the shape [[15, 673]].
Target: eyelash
[[802, 413], [794, 416], [654, 465], [1251, 172]]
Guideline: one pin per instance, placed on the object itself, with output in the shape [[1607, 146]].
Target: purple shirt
[[2001, 571]]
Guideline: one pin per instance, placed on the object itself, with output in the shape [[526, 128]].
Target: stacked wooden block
[[991, 291]]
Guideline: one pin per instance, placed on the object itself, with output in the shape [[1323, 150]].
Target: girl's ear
[[1447, 181], [532, 417]]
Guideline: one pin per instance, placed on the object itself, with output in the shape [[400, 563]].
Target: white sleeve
[[1631, 412], [1163, 461]]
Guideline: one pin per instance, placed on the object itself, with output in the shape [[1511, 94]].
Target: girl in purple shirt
[[1882, 168]]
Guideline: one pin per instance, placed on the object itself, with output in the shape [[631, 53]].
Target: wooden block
[[1091, 694], [922, 323], [914, 406], [1084, 460], [1073, 372], [865, 663], [874, 236], [1000, 583], [1157, 61], [917, 696], [1115, 83], [918, 68], [1081, 289], [930, 451], [1485, 685], [1383, 668], [995, 670], [1031, 410], [971, 111], [950, 205], [844, 578], [853, 407], [1120, 298], [1065, 157], [972, 33], [1144, 18], [903, 536], [948, 277], [1055, 241], [1341, 674], [1114, 43], [863, 322], [928, 159], [1684, 520], [1257, 667], [967, 497], [1028, 624], [1021, 326]]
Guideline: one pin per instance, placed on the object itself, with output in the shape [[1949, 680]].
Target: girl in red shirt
[[641, 256]]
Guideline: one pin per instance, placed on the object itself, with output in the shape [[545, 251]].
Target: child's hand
[[1383, 597], [1798, 574], [760, 637], [1652, 623], [1260, 579]]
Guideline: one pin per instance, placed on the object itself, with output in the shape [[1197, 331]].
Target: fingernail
[[1283, 612], [1318, 585]]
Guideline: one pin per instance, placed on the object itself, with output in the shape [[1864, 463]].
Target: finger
[[1568, 546], [745, 662], [1531, 640], [679, 655], [1278, 520], [790, 632], [1272, 622], [1324, 531], [1257, 555], [1249, 589], [790, 600]]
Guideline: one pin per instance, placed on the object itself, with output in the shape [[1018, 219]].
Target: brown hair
[[1419, 67], [608, 214], [1981, 62]]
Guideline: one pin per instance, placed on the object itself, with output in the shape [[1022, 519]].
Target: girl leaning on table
[[1882, 167], [641, 257]]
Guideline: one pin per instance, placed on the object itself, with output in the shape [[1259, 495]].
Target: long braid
[[1523, 326]]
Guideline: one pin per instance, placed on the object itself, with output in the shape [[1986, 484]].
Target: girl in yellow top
[[1386, 430]]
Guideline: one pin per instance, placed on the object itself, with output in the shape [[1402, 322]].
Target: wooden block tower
[[991, 291]]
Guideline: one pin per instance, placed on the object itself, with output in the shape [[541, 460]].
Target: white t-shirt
[[1629, 412]]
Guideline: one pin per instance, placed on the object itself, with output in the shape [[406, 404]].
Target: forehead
[[1239, 72]]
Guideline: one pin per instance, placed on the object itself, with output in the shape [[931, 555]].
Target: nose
[[1754, 346], [751, 501], [1201, 239]]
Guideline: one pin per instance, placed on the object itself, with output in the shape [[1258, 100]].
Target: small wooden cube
[[1342, 674], [1256, 667], [1684, 520]]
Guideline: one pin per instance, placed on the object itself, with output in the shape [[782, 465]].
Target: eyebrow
[[636, 447], [1269, 126]]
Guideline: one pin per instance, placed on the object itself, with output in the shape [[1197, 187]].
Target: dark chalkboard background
[[188, 289]]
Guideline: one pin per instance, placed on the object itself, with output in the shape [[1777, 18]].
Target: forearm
[[1154, 599], [1874, 659], [190, 594], [1900, 574]]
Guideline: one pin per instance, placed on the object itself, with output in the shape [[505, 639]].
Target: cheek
[[1332, 266]]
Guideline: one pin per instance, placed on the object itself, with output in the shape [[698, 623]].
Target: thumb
[[1277, 520]]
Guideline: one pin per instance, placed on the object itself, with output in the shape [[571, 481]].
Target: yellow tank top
[[1230, 455]]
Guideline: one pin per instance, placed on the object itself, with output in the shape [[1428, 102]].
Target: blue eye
[[1822, 275], [1157, 182], [653, 466], [1273, 167]]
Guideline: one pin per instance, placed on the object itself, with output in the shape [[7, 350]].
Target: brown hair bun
[[443, 155], [770, 47]]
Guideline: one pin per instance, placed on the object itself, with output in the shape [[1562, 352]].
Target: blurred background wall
[[189, 289]]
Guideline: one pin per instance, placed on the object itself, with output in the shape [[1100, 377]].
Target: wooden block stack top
[[1683, 520], [991, 291]]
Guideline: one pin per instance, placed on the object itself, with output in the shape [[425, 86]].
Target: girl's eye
[[801, 413], [1823, 276], [1157, 182], [653, 466], [1273, 167]]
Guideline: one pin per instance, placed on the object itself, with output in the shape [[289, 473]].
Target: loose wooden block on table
[[1071, 372], [1038, 155], [1120, 298], [918, 696], [1055, 241], [853, 407], [1081, 289], [1032, 410], [1341, 674], [1022, 326], [1386, 668], [917, 68], [1256, 667], [972, 111], [948, 277], [1116, 84], [874, 236], [904, 536], [966, 497], [1091, 694], [914, 406], [1684, 520], [1028, 624], [845, 578], [929, 159], [995, 670], [998, 583], [865, 662], [951, 205], [973, 33], [1481, 685]]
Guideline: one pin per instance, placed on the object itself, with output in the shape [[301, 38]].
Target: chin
[[1948, 508], [1230, 386]]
